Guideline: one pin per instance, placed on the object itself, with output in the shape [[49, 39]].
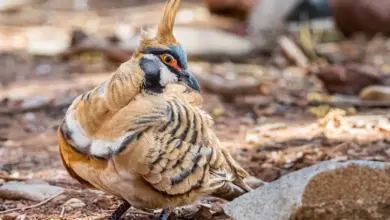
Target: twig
[[62, 212], [32, 206], [292, 52]]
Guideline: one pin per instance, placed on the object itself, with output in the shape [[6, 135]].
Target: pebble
[[29, 117], [59, 199], [74, 203], [252, 139], [375, 93]]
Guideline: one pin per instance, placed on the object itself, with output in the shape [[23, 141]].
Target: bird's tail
[[230, 191]]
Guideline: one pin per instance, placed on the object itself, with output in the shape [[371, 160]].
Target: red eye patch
[[171, 61]]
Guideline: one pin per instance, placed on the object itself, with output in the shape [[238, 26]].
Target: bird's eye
[[167, 58]]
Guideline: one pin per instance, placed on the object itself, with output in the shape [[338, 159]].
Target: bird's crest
[[165, 28], [163, 36]]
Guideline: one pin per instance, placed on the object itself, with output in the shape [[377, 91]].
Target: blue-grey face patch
[[150, 67], [152, 75], [179, 52]]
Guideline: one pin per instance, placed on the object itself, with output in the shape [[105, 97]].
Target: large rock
[[204, 42], [349, 79], [366, 16], [355, 190], [35, 190], [232, 8]]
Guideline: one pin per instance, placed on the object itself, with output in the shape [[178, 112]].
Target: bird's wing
[[124, 128], [181, 155], [70, 158], [96, 107]]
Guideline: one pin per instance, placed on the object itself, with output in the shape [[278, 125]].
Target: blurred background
[[288, 83]]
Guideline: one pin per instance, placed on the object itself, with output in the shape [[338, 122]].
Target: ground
[[267, 143], [269, 140]]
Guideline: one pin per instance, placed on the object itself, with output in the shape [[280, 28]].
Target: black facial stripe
[[152, 75]]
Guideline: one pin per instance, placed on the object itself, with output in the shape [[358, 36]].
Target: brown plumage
[[148, 141]]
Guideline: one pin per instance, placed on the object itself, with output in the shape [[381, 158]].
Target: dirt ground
[[269, 140], [268, 143]]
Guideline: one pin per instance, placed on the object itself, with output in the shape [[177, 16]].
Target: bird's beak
[[190, 80]]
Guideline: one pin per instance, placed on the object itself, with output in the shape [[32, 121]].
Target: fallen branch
[[32, 206], [217, 84]]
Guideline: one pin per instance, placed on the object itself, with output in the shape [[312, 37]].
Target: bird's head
[[161, 57]]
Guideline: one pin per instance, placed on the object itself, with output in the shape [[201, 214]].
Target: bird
[[143, 136]]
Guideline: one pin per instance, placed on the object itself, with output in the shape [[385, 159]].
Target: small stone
[[29, 117], [59, 199], [252, 139], [288, 165], [376, 93], [74, 203]]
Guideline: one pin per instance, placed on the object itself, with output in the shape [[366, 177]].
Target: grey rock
[[32, 190], [330, 190], [204, 42], [13, 5]]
